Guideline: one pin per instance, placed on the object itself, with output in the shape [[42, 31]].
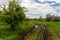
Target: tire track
[[33, 34], [44, 32], [38, 33], [53, 34]]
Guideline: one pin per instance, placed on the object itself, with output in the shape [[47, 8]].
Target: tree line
[[50, 18]]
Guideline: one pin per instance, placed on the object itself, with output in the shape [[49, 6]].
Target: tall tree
[[13, 14]]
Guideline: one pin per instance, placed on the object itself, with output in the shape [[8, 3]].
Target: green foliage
[[41, 19], [55, 26], [22, 29], [13, 14], [52, 18], [0, 15], [48, 17]]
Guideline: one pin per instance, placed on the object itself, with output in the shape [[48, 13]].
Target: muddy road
[[40, 32]]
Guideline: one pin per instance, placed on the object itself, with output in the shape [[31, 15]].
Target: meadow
[[14, 25], [7, 34]]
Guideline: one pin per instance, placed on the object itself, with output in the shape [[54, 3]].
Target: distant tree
[[0, 15], [41, 19], [14, 14], [48, 17], [0, 11], [52, 18], [56, 18]]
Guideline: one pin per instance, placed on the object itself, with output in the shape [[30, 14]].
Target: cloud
[[3, 2], [56, 4], [41, 7], [36, 8], [57, 1]]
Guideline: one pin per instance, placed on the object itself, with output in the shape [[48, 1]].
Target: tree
[[0, 15], [56, 19], [48, 17], [13, 14], [41, 19], [52, 18]]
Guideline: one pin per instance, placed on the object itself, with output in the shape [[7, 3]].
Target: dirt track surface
[[42, 33], [53, 34], [34, 35]]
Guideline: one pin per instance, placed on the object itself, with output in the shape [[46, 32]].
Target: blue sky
[[37, 8]]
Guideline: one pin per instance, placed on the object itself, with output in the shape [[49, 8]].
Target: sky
[[37, 8]]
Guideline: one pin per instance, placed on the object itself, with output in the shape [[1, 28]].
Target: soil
[[52, 34], [45, 33]]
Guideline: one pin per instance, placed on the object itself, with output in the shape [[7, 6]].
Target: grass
[[55, 26], [7, 34], [34, 35], [23, 28]]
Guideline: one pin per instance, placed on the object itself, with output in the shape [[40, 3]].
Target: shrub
[[13, 14]]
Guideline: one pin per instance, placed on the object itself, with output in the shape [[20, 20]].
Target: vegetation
[[52, 18], [13, 14], [14, 25]]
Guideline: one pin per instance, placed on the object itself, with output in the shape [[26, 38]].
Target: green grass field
[[55, 26], [23, 28], [7, 34]]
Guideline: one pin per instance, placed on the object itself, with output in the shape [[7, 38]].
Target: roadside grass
[[34, 35], [7, 34], [23, 28], [56, 27]]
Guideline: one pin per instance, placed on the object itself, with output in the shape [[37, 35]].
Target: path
[[34, 35], [42, 33], [53, 34]]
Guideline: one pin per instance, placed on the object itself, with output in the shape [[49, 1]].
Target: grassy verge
[[7, 34], [34, 35], [55, 26], [23, 28]]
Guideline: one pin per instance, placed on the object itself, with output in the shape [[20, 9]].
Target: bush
[[13, 14]]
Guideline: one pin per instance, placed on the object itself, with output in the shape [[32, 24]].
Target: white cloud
[[58, 1], [36, 8], [3, 2]]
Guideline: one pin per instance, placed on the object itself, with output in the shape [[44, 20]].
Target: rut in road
[[52, 34], [39, 34], [34, 34], [44, 32]]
